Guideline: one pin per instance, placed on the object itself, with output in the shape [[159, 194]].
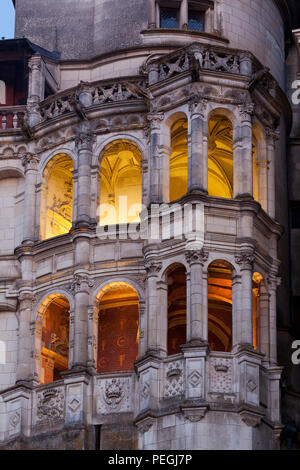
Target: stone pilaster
[[273, 283], [84, 145], [80, 287], [25, 345], [198, 158], [30, 163], [155, 170], [272, 136], [246, 260], [36, 89], [153, 268], [243, 156], [197, 314]]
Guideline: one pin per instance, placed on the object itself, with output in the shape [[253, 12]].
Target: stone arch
[[120, 183], [118, 327], [220, 322], [52, 337], [56, 196], [221, 122]]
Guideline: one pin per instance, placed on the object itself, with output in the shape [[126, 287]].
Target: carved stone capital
[[198, 105], [196, 257], [245, 260], [84, 140], [246, 111], [152, 267], [81, 283], [34, 63], [273, 134], [274, 282], [30, 161], [155, 120]]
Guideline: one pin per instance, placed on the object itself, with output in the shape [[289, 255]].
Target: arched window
[[121, 184], [220, 306], [55, 317], [57, 197], [2, 92], [118, 327], [179, 159], [176, 281], [220, 158]]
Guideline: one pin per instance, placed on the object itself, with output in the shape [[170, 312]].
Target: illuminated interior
[[121, 184], [55, 339], [57, 197], [220, 158], [220, 306], [176, 281], [179, 160], [118, 327]]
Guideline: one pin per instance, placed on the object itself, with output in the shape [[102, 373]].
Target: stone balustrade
[[11, 117]]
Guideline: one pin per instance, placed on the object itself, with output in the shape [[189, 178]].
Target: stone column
[[153, 328], [184, 15], [142, 330], [84, 143], [246, 260], [273, 283], [246, 64], [162, 292], [243, 156], [36, 89], [152, 14], [155, 164], [81, 288], [93, 319], [272, 135], [198, 317], [25, 360], [30, 163], [236, 311], [197, 178]]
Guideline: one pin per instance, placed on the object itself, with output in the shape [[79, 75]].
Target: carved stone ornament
[[196, 257], [114, 393], [245, 259], [273, 133], [85, 139], [15, 419], [145, 425], [30, 161], [195, 414], [155, 120], [250, 419], [50, 405], [247, 111], [198, 105], [81, 283], [153, 267]]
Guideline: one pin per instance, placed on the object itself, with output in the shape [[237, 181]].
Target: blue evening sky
[[7, 19]]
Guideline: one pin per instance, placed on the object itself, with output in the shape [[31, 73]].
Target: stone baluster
[[272, 136], [30, 163], [25, 361], [80, 287], [197, 313], [155, 164], [84, 144], [153, 328], [245, 303], [243, 156], [198, 158]]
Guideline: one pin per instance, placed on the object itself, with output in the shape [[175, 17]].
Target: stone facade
[[83, 110]]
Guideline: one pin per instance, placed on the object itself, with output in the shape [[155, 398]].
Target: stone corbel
[[145, 424], [250, 418], [194, 414]]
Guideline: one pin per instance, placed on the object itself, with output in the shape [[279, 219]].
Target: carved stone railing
[[84, 96], [201, 57], [11, 117]]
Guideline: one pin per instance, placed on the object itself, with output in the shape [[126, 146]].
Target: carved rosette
[[196, 257], [155, 120], [245, 260], [81, 283], [153, 267], [30, 162]]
